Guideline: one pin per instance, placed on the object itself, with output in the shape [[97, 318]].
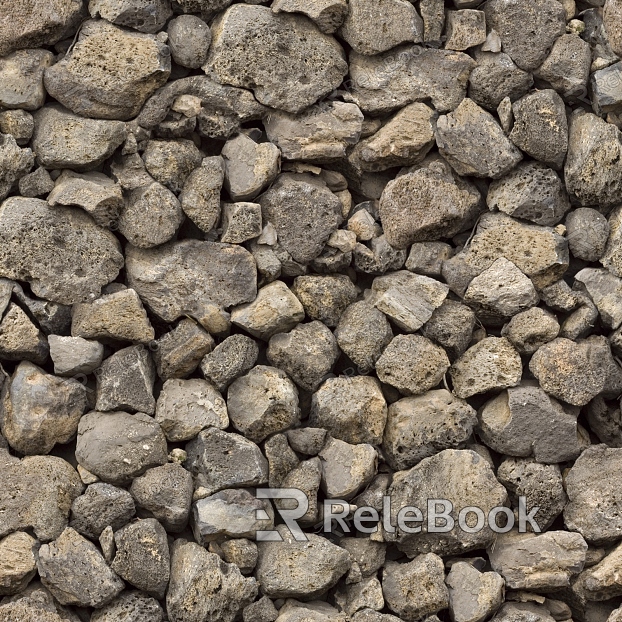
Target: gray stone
[[275, 310], [135, 606], [366, 594], [421, 426], [532, 192], [240, 222], [203, 587], [129, 171], [229, 360], [102, 505], [471, 140], [200, 196], [451, 326], [20, 339], [281, 459], [515, 612], [19, 123], [612, 257], [433, 14], [308, 441], [189, 38], [35, 184], [118, 447], [417, 588], [547, 21], [567, 67], [473, 595], [143, 15], [289, 78], [262, 610], [530, 329], [18, 564], [109, 72], [352, 409], [319, 133], [375, 27], [21, 75], [230, 513], [427, 258], [605, 290], [300, 569], [412, 364], [40, 410], [143, 557], [464, 29], [75, 572], [14, 162], [191, 277], [241, 552], [387, 82], [125, 381], [118, 316], [610, 21], [601, 581], [587, 231], [37, 494], [185, 407], [263, 402], [605, 89], [380, 258], [328, 15], [220, 460]]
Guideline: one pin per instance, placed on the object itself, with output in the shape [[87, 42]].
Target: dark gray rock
[[189, 38], [587, 231], [230, 359]]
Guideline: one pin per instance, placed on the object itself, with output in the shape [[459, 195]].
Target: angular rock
[[604, 86], [530, 329], [20, 339], [328, 15], [240, 222], [189, 38], [587, 231], [281, 459], [19, 123], [171, 161], [567, 67], [18, 564], [21, 75], [465, 29], [291, 76], [473, 143], [419, 427], [473, 595], [145, 16], [229, 360], [241, 552], [451, 327], [14, 162], [601, 581], [109, 72], [118, 447], [135, 606], [200, 196], [605, 290], [35, 184], [308, 441]]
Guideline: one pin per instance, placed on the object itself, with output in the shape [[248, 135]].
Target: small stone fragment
[[189, 38], [587, 231], [14, 163], [465, 29], [240, 222], [229, 360], [567, 67], [451, 327], [18, 564], [473, 595], [35, 184], [328, 15], [243, 553], [604, 86], [21, 76], [19, 123], [136, 606], [145, 16], [427, 258], [200, 196], [605, 290], [433, 14], [530, 329]]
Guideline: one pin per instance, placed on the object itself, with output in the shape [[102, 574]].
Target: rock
[[118, 447], [240, 222], [101, 78], [517, 611], [37, 494], [307, 353], [290, 569], [101, 506], [610, 20], [419, 427], [366, 594], [427, 258], [601, 581], [263, 402], [538, 562], [412, 74], [15, 163], [525, 421], [495, 78], [21, 74], [275, 310], [95, 193], [145, 16], [378, 259], [473, 595], [603, 421], [304, 213], [567, 67], [65, 140], [571, 371], [605, 290], [532, 192], [243, 553], [417, 588], [35, 184], [587, 232], [135, 606], [19, 123], [68, 567], [500, 292], [540, 484], [603, 86], [404, 140], [473, 143], [465, 29], [592, 509], [164, 493], [170, 162], [530, 329], [230, 514], [351, 409], [451, 327], [185, 407], [119, 316], [593, 172], [220, 460], [281, 459], [540, 127], [412, 364], [461, 477], [321, 132], [289, 78], [20, 339], [229, 360], [491, 364], [433, 14], [143, 558], [189, 38], [397, 22], [125, 381], [328, 15], [547, 21], [34, 25], [18, 565], [40, 410], [200, 196], [250, 167], [346, 468], [202, 586], [189, 277], [407, 299], [262, 610], [308, 441]]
